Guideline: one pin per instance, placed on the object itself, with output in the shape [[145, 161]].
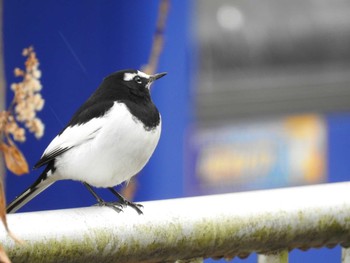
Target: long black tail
[[36, 188]]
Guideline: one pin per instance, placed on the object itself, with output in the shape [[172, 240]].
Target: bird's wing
[[50, 155], [76, 134]]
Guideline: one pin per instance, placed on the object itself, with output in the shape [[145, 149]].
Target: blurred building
[[260, 58], [270, 73], [272, 98]]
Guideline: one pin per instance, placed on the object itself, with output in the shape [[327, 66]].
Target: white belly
[[120, 149]]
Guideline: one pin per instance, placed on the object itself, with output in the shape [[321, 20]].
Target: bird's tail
[[36, 188]]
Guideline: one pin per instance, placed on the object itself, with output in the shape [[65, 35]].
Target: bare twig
[[158, 38]]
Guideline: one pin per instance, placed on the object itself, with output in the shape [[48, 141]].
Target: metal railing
[[269, 222]]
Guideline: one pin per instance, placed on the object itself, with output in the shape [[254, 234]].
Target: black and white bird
[[108, 140]]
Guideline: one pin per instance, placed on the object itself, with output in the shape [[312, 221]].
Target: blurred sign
[[285, 152]]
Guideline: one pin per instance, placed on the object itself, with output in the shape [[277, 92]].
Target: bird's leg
[[100, 202], [125, 202]]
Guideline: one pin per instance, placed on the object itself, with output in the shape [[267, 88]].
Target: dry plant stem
[[3, 205], [21, 113], [158, 39], [3, 213], [3, 256], [26, 102]]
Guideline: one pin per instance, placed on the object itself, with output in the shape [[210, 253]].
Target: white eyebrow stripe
[[143, 75], [129, 76]]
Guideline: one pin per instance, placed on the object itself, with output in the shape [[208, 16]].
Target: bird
[[109, 139]]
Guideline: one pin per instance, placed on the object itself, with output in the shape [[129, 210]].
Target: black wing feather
[[88, 112], [45, 159]]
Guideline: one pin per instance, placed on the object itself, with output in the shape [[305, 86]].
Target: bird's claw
[[118, 206], [136, 206], [114, 205]]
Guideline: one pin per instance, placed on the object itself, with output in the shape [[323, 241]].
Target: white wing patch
[[131, 76], [75, 135]]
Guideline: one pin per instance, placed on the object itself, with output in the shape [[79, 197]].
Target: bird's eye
[[138, 79]]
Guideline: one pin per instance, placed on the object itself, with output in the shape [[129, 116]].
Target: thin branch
[[158, 38]]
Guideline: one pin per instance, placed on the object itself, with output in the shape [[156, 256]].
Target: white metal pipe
[[226, 225]]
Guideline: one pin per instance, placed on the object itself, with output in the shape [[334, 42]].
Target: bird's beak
[[157, 76]]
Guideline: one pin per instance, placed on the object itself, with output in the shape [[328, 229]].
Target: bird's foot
[[125, 202], [116, 206], [136, 206]]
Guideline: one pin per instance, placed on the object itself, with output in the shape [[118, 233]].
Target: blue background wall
[[80, 42]]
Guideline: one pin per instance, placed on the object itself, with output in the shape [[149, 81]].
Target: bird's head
[[132, 82], [137, 79]]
